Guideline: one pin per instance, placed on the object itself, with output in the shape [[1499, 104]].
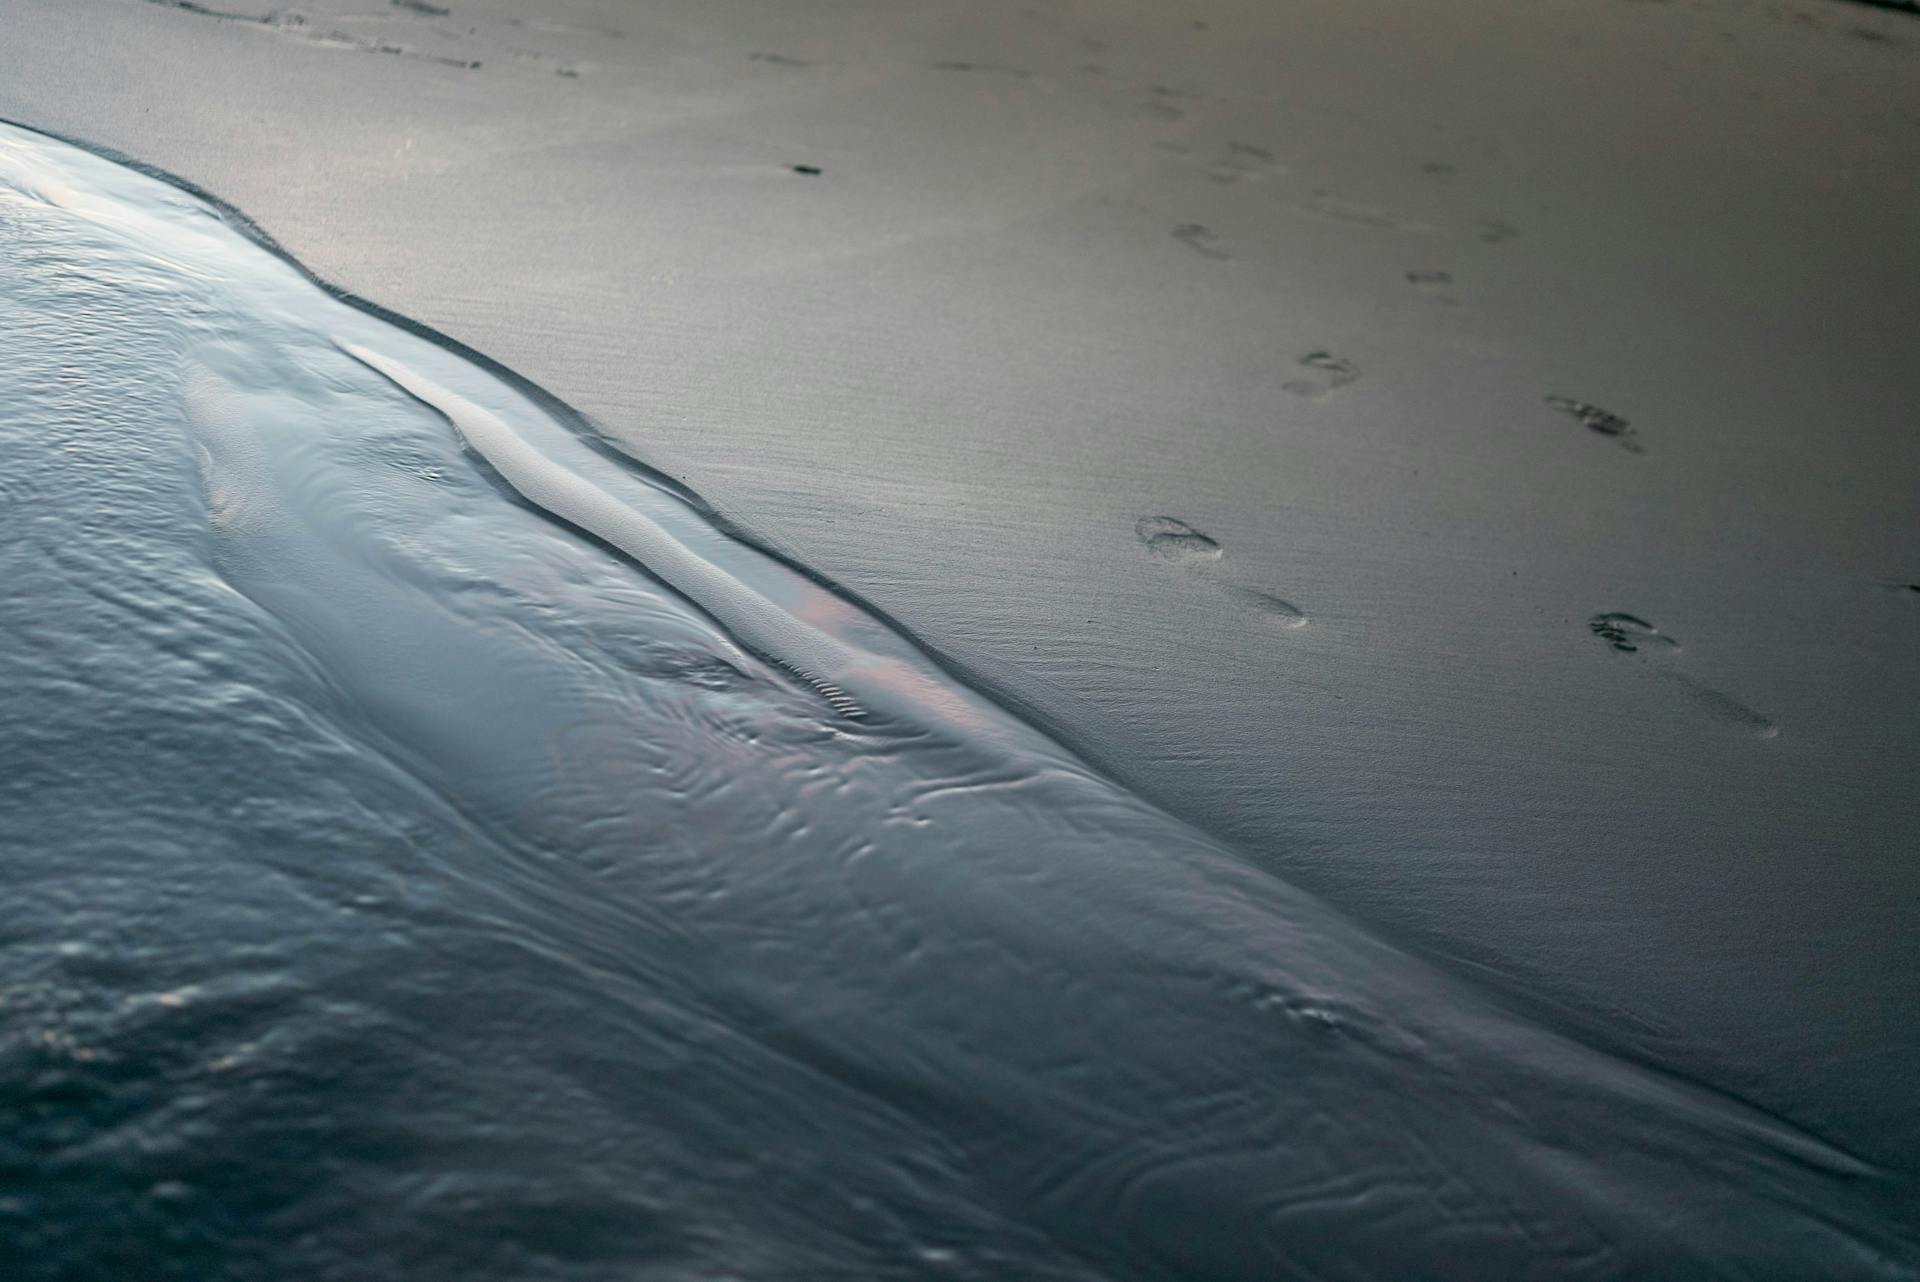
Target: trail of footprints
[[294, 25], [1174, 540], [1324, 373]]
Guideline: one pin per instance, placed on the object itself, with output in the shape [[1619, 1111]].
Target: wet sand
[[1462, 457]]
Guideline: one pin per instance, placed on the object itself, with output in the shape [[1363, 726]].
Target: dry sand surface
[[1464, 453]]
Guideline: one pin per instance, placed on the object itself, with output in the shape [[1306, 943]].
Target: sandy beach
[[1461, 457]]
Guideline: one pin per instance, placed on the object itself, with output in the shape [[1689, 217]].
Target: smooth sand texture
[[1356, 294]]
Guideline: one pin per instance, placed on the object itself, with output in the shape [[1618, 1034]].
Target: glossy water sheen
[[433, 849]]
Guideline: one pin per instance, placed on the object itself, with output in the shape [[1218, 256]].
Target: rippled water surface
[[433, 848]]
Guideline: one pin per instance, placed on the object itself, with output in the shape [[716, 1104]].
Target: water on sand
[[433, 848]]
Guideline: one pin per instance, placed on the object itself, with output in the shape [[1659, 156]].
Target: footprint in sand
[[1163, 103], [1174, 540], [1243, 162], [1630, 634], [1595, 419], [1284, 613], [1201, 240], [1435, 285], [1331, 374]]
